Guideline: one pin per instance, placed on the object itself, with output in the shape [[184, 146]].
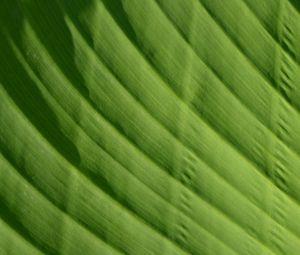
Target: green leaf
[[150, 127]]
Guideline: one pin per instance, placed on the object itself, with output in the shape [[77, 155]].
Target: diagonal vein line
[[16, 234], [143, 183], [45, 197], [272, 184], [222, 81], [42, 139], [13, 234], [239, 99], [239, 48], [271, 34], [160, 169], [199, 117], [135, 216], [198, 195], [293, 199]]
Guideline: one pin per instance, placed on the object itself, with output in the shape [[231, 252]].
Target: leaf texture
[[160, 127]]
